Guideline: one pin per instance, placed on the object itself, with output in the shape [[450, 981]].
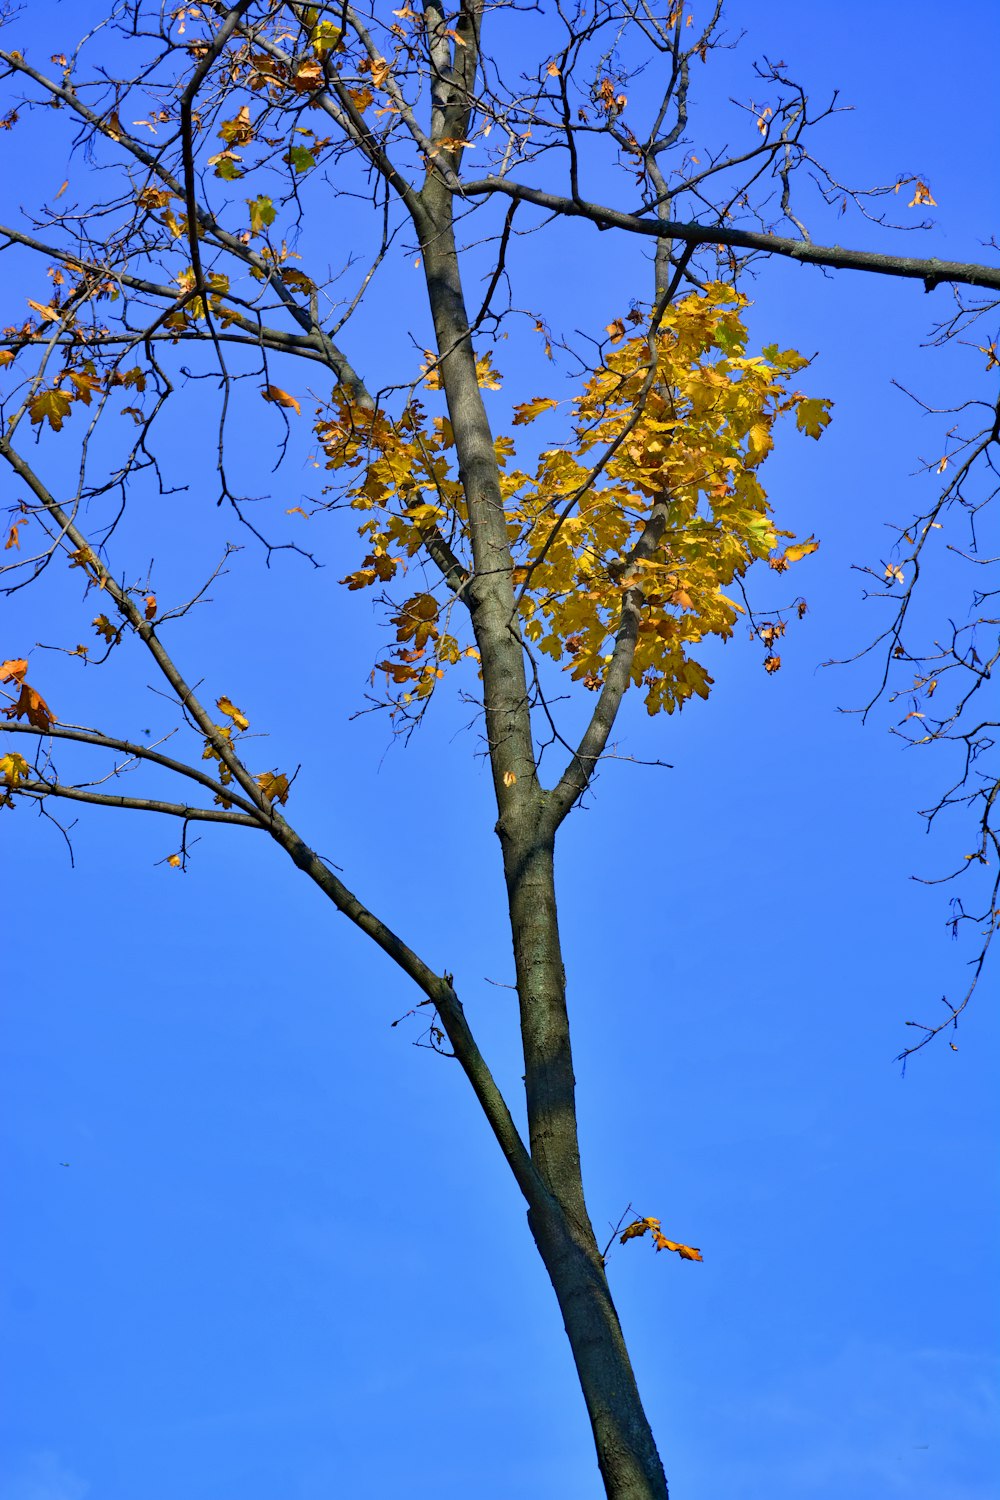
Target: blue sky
[[285, 1257]]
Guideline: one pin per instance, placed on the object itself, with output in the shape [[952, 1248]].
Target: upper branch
[[931, 272]]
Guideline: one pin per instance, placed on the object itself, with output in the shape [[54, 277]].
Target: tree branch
[[138, 752], [931, 272], [42, 789]]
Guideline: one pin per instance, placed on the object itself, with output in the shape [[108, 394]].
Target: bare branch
[[931, 272]]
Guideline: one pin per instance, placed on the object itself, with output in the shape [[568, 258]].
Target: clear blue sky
[[285, 1259]]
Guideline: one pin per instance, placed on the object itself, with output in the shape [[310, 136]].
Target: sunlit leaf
[[225, 706]]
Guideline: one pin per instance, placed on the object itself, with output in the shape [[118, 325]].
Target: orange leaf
[[31, 706], [150, 606], [46, 312], [637, 1229], [280, 398], [686, 1252], [13, 670]]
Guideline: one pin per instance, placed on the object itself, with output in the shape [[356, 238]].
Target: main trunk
[[626, 1451]]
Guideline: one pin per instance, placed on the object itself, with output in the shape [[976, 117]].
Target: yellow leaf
[[84, 385], [237, 131], [273, 785], [291, 277], [509, 778], [51, 406], [325, 37], [894, 574], [262, 213], [280, 398], [489, 379], [527, 411], [798, 550], [232, 712], [616, 330], [13, 768], [175, 861], [812, 415]]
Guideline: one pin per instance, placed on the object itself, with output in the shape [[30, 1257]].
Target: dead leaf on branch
[[922, 195], [33, 707], [279, 397], [639, 1227]]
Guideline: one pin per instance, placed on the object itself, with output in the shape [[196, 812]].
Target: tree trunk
[[626, 1451]]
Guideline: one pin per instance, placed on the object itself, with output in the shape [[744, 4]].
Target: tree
[[607, 549]]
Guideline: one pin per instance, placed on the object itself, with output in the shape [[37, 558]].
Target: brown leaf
[[104, 627]]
